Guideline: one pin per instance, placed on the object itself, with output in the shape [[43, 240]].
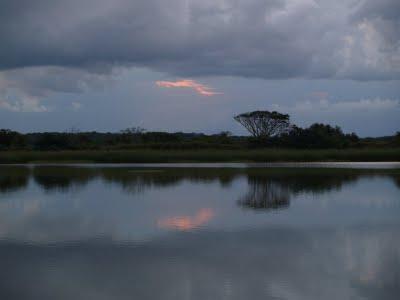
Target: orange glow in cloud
[[201, 89], [185, 223]]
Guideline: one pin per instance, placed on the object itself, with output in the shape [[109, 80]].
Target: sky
[[191, 65]]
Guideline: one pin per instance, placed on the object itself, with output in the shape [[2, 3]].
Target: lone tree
[[264, 124]]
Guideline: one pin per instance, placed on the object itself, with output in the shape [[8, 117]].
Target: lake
[[208, 231]]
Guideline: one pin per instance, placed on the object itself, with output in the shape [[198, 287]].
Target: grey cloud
[[385, 9], [42, 81], [21, 90], [252, 38]]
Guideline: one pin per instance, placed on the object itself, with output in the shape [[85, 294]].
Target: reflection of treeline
[[13, 178], [62, 178], [274, 191], [263, 184], [317, 136]]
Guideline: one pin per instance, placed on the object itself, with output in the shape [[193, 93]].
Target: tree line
[[267, 129]]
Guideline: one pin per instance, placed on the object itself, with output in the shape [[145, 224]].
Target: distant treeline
[[317, 136]]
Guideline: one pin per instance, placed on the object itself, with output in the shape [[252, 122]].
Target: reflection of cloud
[[76, 105], [261, 263], [201, 89], [184, 223]]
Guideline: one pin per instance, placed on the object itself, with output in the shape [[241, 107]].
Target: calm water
[[212, 232]]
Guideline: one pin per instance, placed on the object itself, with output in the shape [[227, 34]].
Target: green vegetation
[[163, 156], [273, 139], [317, 136]]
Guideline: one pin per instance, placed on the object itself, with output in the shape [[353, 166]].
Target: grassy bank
[[159, 156]]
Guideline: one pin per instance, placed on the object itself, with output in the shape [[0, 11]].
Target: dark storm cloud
[[386, 9], [252, 38]]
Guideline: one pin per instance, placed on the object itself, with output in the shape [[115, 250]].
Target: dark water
[[136, 232]]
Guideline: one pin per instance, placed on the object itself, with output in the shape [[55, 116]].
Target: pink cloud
[[201, 89], [320, 95]]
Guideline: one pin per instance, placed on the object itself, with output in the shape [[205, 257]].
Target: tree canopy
[[264, 124]]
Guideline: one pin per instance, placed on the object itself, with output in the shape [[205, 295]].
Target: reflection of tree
[[13, 178], [265, 194], [397, 180], [273, 189]]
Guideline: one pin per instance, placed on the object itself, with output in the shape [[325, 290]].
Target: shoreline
[[161, 167], [202, 156]]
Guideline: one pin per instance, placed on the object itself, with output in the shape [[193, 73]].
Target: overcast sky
[[191, 65]]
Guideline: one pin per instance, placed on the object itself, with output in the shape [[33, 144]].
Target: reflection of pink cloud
[[184, 223], [201, 89]]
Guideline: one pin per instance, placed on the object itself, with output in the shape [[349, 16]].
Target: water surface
[[214, 231]]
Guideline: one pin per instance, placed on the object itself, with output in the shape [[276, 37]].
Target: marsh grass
[[170, 156]]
